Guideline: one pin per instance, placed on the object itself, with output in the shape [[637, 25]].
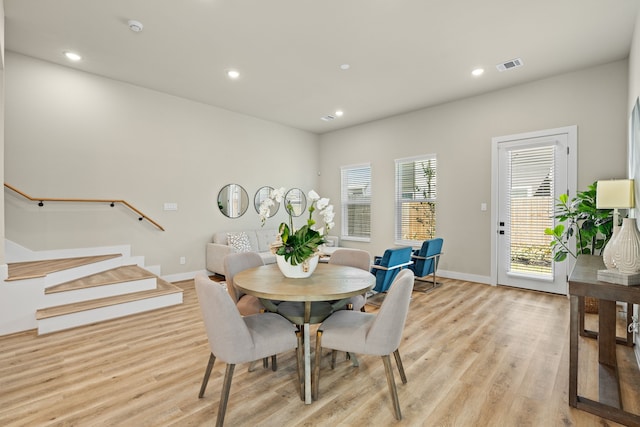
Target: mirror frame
[[260, 196], [288, 198], [243, 197]]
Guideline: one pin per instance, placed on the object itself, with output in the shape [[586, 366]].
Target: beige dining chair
[[234, 264], [247, 304], [235, 339], [372, 334], [357, 258]]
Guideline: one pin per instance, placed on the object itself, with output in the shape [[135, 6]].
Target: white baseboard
[[184, 276], [464, 276]]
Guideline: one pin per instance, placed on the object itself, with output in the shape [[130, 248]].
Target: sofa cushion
[[240, 241], [265, 238]]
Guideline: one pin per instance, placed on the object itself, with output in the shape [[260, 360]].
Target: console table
[[583, 282]]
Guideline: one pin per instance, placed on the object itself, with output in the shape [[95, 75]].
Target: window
[[415, 199], [356, 202]]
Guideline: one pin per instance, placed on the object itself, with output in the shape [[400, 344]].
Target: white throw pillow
[[240, 241]]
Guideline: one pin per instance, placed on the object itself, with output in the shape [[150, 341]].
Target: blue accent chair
[[386, 267], [425, 261]]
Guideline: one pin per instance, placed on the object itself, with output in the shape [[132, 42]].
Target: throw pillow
[[240, 241]]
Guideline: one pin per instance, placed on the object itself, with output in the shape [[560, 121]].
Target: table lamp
[[623, 250]]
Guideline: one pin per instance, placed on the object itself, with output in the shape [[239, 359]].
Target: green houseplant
[[297, 246], [579, 217]]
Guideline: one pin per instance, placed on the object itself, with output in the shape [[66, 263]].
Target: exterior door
[[532, 172]]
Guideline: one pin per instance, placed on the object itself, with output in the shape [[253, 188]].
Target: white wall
[[76, 135], [460, 134], [634, 66]]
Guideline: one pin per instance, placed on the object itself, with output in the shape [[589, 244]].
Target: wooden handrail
[[41, 201]]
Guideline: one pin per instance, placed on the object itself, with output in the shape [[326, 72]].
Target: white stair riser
[[87, 317], [17, 253], [103, 291], [75, 273]]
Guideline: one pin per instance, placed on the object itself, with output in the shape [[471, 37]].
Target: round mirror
[[233, 200], [297, 200], [262, 194]]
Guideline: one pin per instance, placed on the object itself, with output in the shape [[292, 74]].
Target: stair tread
[[121, 274], [34, 269], [163, 288]]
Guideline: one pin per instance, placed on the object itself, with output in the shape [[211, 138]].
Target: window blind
[[531, 207], [416, 189], [356, 202]]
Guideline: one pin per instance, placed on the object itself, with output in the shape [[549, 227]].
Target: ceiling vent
[[514, 63], [327, 118]]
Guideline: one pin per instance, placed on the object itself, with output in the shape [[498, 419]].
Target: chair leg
[[252, 366], [403, 377], [354, 359], [300, 364], [392, 386], [224, 396], [274, 363], [265, 362], [334, 354], [315, 379], [207, 374]]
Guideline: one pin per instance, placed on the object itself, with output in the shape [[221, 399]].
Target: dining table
[[328, 282]]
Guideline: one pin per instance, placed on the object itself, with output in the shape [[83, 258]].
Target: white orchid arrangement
[[299, 245]]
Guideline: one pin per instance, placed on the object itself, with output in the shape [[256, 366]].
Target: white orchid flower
[[322, 203], [277, 194], [313, 196], [328, 216]]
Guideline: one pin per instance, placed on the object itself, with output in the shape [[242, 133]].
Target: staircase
[[61, 293]]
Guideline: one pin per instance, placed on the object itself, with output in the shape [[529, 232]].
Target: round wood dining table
[[328, 282]]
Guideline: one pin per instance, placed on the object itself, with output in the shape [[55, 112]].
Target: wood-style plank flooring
[[474, 355]]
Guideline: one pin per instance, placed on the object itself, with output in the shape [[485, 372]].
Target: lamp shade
[[615, 194]]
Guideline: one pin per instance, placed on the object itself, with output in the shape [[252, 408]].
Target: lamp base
[[613, 276]]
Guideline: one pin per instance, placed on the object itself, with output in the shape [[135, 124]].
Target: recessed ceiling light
[[233, 74], [478, 72], [72, 56], [345, 66], [339, 113]]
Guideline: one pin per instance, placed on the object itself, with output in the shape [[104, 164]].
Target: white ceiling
[[404, 54]]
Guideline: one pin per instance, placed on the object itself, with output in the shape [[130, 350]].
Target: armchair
[[387, 266], [425, 261]]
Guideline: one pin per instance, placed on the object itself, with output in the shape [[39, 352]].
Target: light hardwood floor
[[474, 355]]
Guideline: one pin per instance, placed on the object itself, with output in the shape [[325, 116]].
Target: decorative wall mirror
[[233, 200], [298, 201], [262, 194]]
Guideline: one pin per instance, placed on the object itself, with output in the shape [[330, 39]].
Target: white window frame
[[399, 200], [346, 203]]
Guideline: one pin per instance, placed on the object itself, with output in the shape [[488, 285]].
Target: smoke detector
[[508, 65], [135, 26]]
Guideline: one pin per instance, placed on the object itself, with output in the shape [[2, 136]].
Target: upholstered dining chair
[[234, 264], [357, 258], [235, 339], [372, 334], [247, 304], [425, 261]]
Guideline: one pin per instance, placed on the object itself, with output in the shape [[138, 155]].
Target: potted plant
[[591, 227], [298, 247]]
